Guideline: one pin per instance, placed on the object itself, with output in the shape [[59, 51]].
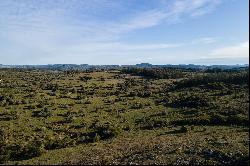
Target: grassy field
[[124, 117]]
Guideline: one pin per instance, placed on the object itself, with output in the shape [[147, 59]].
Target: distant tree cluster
[[160, 73], [223, 77]]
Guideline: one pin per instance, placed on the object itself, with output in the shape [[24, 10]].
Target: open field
[[129, 116]]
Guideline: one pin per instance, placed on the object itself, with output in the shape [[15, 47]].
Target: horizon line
[[145, 63]]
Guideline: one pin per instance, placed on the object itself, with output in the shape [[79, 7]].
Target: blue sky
[[124, 31]]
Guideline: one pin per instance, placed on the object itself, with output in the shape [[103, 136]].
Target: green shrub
[[25, 151], [218, 119], [238, 119], [45, 112], [149, 123], [107, 131], [190, 100], [136, 105], [4, 154], [58, 142]]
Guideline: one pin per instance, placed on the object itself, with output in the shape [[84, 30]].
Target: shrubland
[[127, 116]]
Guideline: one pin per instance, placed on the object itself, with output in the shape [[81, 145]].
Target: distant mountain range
[[142, 65]]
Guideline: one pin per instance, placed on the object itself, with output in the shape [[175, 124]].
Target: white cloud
[[235, 51], [205, 40]]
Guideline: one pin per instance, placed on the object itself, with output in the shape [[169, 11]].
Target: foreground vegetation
[[127, 116]]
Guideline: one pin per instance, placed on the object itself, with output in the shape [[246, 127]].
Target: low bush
[[45, 112], [190, 100]]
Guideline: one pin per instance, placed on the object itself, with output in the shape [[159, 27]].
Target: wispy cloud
[[231, 54], [204, 40], [170, 12], [42, 29], [235, 51], [86, 17]]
